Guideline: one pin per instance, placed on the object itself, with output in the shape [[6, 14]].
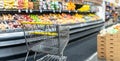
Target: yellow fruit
[[84, 8], [70, 6]]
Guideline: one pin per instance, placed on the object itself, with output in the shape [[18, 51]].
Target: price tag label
[[19, 11], [85, 24], [4, 10], [26, 10], [81, 25], [69, 11], [40, 11], [53, 11], [31, 10], [76, 11], [60, 11]]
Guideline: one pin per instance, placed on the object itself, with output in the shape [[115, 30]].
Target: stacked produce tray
[[12, 44]]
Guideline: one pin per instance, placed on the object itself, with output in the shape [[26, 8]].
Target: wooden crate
[[112, 47], [108, 47], [101, 46], [112, 36]]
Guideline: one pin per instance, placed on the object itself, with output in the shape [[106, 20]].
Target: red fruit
[[30, 20]]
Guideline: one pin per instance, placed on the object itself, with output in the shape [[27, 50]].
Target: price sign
[[19, 11], [53, 11], [31, 10], [69, 11], [40, 11], [26, 10]]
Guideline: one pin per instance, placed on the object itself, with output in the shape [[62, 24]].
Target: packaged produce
[[84, 8]]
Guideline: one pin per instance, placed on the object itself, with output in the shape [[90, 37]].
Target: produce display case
[[16, 43], [12, 41]]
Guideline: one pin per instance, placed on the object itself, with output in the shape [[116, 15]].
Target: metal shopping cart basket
[[45, 37]]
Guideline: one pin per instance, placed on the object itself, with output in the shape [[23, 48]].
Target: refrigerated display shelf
[[16, 51], [85, 25], [77, 25], [44, 11], [18, 35], [14, 41], [21, 41], [72, 26], [18, 39], [85, 28], [11, 36], [10, 30], [79, 53], [5, 52], [80, 34]]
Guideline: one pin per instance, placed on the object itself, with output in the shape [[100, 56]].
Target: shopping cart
[[45, 37]]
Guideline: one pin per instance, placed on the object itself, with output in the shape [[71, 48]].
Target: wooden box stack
[[101, 46], [109, 47]]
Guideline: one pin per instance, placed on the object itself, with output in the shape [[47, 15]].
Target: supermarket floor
[[80, 50], [94, 58]]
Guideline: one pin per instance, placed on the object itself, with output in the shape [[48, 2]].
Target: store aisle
[[81, 49]]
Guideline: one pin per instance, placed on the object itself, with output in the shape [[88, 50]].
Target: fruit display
[[10, 4], [8, 21], [13, 21], [41, 5]]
